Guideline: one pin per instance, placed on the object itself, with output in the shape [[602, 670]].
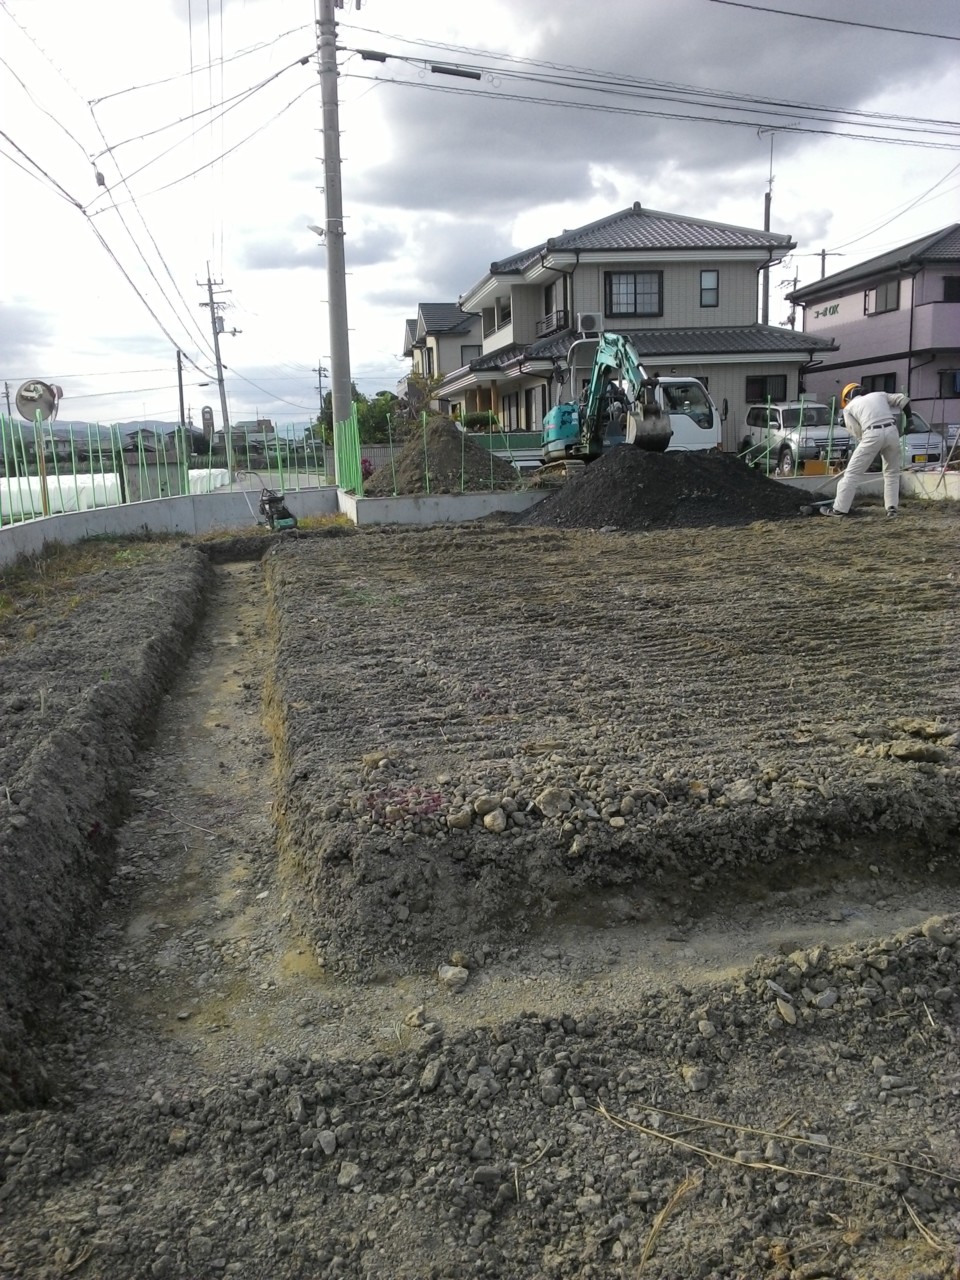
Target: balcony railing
[[552, 323]]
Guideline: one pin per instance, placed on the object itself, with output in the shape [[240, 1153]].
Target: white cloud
[[440, 175]]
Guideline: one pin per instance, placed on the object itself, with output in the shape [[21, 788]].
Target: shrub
[[479, 421]]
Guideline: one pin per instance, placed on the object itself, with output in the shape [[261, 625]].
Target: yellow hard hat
[[849, 391]]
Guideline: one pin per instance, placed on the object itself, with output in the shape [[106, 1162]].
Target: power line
[[40, 107], [62, 191], [236, 100], [96, 231], [242, 53], [229, 151], [842, 22], [29, 172], [129, 232], [126, 391], [659, 115], [143, 256], [232, 373], [110, 373], [902, 211], [603, 80], [16, 21]]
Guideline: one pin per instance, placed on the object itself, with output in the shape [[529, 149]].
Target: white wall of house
[[681, 294], [878, 346]]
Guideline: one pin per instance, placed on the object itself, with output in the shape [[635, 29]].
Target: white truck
[[621, 403]]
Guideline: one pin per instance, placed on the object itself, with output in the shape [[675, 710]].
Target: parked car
[[924, 445], [780, 436]]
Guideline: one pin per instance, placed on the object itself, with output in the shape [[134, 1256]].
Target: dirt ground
[[677, 811]]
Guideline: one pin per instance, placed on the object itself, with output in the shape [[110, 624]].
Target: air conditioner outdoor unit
[[589, 322]]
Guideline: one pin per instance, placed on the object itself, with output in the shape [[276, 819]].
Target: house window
[[468, 353], [886, 297], [510, 411], [535, 406], [771, 386], [503, 312], [879, 382], [428, 362], [949, 384], [709, 288], [633, 293], [951, 288]]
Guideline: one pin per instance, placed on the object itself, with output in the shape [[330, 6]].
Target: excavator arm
[[577, 430], [616, 358]]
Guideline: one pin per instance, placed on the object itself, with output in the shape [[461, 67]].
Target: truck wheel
[[787, 463]]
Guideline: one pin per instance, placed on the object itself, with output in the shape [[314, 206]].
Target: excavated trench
[[253, 804]]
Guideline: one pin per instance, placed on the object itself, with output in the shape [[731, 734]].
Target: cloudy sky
[[124, 174]]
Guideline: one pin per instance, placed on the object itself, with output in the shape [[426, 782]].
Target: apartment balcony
[[555, 322], [936, 327]]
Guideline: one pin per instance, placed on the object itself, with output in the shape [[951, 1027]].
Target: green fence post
[[142, 465], [426, 459], [4, 425], [393, 460]]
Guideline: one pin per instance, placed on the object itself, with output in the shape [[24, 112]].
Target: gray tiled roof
[[941, 246], [444, 317], [750, 339], [500, 359], [638, 229]]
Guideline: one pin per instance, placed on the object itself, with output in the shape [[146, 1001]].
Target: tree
[[420, 391], [375, 417]]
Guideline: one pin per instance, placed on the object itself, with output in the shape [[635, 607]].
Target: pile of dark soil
[[441, 459], [629, 488]]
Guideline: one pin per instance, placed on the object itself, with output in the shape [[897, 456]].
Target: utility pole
[[768, 197], [333, 225], [824, 255], [216, 322], [6, 391], [183, 417], [322, 373]]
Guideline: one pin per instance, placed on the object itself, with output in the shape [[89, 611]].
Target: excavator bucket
[[649, 429]]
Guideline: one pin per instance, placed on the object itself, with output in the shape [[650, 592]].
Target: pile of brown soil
[[629, 488], [441, 459]]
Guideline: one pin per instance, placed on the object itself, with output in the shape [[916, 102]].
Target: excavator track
[[559, 472]]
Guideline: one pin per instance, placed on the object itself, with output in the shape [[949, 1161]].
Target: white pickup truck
[[779, 436]]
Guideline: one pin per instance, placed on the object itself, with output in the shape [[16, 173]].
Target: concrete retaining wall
[[207, 513], [441, 508], [200, 513]]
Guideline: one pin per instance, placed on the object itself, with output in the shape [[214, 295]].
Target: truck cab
[[781, 436]]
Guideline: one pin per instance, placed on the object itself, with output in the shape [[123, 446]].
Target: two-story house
[[683, 289], [896, 321], [440, 338]]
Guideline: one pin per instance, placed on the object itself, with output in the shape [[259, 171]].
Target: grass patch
[[56, 570]]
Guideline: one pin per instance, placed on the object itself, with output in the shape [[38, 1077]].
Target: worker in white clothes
[[872, 418]]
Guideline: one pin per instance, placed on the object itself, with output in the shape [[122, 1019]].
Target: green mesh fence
[[93, 466], [346, 450]]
